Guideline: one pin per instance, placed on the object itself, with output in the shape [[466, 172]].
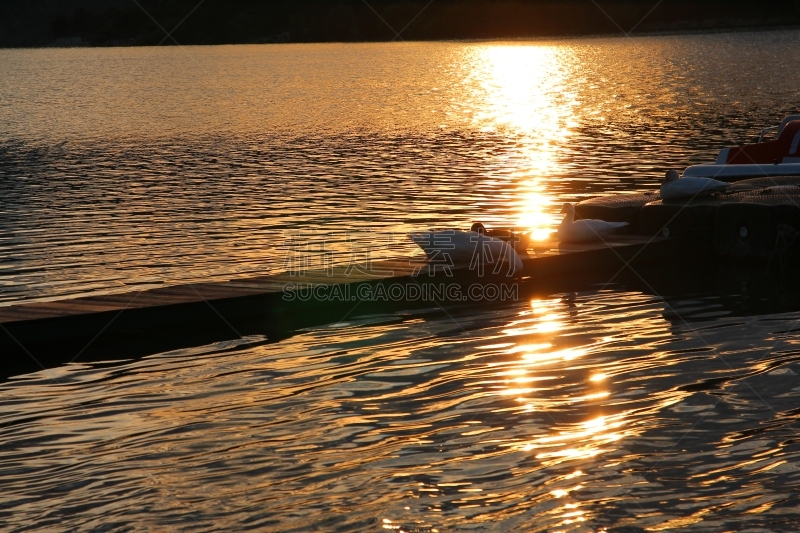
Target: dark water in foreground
[[625, 407]]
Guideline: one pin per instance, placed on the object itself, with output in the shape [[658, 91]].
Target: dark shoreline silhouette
[[38, 23]]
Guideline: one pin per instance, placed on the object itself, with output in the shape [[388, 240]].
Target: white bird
[[448, 247], [589, 230], [676, 187]]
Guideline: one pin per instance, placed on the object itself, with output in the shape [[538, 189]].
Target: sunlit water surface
[[122, 169]]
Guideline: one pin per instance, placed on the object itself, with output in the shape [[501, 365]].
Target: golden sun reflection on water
[[546, 370], [525, 91], [574, 441]]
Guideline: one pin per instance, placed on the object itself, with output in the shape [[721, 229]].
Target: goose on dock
[[674, 186], [456, 246], [589, 230]]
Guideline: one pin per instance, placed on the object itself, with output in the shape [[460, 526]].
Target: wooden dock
[[37, 334]]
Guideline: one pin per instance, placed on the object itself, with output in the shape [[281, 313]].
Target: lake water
[[646, 405]]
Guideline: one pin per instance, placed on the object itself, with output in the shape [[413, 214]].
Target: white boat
[[779, 156]]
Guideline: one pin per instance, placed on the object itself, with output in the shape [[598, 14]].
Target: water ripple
[[616, 416]]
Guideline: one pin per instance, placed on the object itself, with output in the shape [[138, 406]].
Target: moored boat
[[779, 156], [757, 216]]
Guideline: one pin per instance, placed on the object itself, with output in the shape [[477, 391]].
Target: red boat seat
[[767, 153]]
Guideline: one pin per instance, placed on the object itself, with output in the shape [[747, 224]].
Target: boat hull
[[732, 173]]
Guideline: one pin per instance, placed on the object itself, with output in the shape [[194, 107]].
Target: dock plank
[[164, 317], [273, 284]]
